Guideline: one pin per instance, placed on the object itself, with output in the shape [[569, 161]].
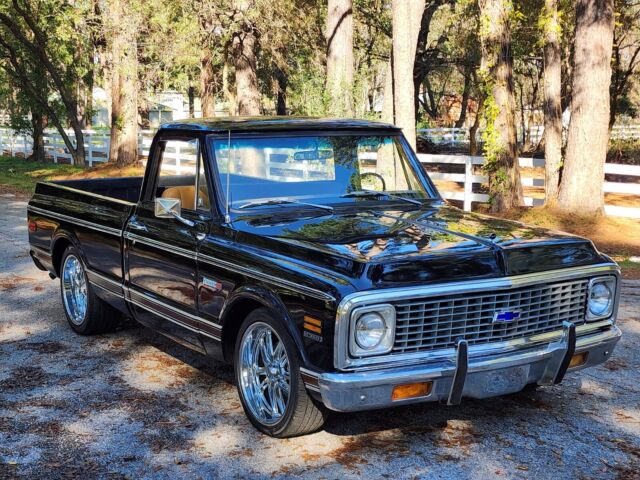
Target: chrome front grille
[[431, 323]]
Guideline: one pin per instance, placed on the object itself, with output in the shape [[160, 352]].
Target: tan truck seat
[[187, 196]]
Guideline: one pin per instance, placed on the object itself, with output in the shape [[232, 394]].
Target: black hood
[[391, 247]]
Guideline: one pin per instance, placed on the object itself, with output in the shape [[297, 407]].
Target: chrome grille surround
[[495, 345], [430, 323]]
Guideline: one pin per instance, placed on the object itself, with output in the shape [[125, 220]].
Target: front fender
[[264, 297]]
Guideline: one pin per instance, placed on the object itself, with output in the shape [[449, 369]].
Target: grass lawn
[[18, 175]]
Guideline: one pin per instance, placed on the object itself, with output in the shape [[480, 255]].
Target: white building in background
[[161, 107]]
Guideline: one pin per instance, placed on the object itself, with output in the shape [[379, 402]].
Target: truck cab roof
[[275, 124]]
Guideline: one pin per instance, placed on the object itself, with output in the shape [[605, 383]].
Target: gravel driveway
[[134, 405]]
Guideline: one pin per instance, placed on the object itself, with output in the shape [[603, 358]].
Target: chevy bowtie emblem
[[505, 316]]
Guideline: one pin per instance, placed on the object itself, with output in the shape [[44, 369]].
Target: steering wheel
[[377, 175]]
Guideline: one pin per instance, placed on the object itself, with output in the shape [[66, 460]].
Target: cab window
[[181, 174]]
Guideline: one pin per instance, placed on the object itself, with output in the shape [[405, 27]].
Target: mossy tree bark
[[496, 73]]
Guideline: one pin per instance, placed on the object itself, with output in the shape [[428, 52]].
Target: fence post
[[468, 182], [89, 148], [55, 147]]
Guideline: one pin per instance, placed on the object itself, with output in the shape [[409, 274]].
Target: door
[[160, 253]]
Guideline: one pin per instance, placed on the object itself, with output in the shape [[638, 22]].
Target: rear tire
[[271, 390], [86, 313]]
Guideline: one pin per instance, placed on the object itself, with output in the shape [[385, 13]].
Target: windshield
[[323, 170]]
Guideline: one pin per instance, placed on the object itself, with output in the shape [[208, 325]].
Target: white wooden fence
[[456, 136], [96, 144], [469, 178]]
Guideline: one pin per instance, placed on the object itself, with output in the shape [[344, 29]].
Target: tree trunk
[[388, 115], [496, 68], [247, 93], [281, 92], [552, 100], [207, 86], [523, 119], [191, 94], [227, 90], [123, 149], [406, 27], [464, 102], [422, 63], [340, 57], [37, 134], [473, 130], [588, 137], [244, 46], [89, 98]]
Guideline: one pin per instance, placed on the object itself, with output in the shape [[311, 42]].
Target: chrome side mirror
[[170, 208]]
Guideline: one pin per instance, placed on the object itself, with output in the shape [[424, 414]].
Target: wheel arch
[[61, 240], [245, 300]]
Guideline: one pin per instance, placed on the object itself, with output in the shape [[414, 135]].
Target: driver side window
[[181, 174]]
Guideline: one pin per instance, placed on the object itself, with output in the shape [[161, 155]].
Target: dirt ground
[[134, 405]]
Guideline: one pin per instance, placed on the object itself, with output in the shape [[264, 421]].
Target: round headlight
[[600, 299], [370, 329]]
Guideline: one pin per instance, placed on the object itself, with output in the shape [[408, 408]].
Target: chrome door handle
[[137, 226]]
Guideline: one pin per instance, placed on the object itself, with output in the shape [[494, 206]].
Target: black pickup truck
[[318, 258]]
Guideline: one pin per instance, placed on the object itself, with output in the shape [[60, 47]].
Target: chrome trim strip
[[40, 251], [105, 283], [84, 192], [82, 223], [312, 292], [341, 357], [173, 320], [160, 245], [194, 318], [119, 295], [312, 387], [166, 317], [103, 277]]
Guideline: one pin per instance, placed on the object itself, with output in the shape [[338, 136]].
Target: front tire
[[268, 378], [86, 313]]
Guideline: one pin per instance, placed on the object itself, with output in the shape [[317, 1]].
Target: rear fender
[[59, 240]]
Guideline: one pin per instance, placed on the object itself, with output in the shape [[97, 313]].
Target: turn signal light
[[411, 390], [33, 226], [578, 359]]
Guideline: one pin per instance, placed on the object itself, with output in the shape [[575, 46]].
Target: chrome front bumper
[[462, 375]]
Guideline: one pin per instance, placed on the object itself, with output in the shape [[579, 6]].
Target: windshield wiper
[[373, 193], [284, 201]]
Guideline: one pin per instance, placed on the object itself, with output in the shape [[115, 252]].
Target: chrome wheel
[[265, 377], [74, 289]]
